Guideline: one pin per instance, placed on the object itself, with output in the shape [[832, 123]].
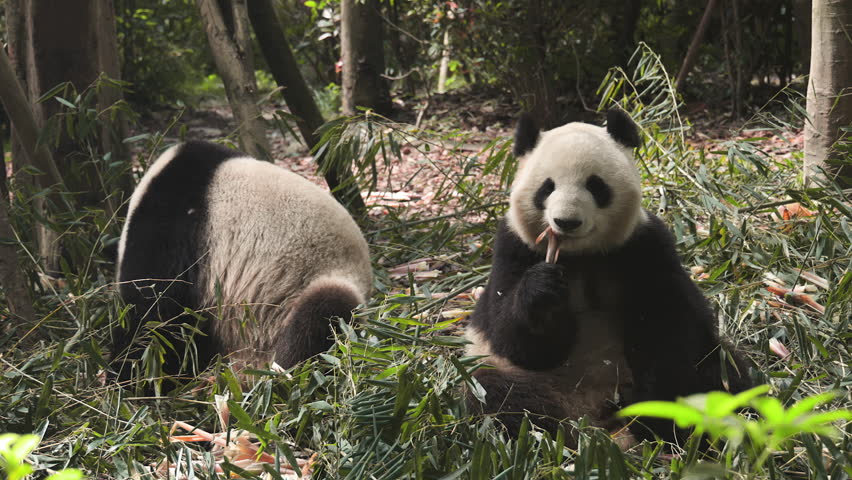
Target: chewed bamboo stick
[[552, 255]]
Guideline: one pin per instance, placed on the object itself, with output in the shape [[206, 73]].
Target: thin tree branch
[[697, 38]]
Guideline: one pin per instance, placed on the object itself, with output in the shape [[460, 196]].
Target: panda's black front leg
[[538, 320], [542, 297]]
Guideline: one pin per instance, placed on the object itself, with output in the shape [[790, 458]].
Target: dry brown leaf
[[795, 298], [234, 446], [794, 210]]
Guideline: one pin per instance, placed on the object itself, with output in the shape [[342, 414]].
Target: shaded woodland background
[[404, 110]]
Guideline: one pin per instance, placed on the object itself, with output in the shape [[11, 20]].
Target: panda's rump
[[275, 233]]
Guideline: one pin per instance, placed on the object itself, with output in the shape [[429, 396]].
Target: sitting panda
[[263, 255], [601, 315]]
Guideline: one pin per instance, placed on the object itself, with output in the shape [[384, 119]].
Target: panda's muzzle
[[568, 225]]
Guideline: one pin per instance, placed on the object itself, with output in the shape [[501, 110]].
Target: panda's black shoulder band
[[526, 135], [621, 128]]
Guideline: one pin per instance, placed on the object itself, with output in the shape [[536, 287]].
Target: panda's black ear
[[621, 128], [526, 135]]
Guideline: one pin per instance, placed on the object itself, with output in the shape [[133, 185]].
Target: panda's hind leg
[[307, 329], [516, 394], [542, 396]]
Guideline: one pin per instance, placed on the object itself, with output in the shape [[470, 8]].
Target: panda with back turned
[[266, 258], [587, 307]]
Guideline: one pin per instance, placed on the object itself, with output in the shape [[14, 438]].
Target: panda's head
[[579, 180]]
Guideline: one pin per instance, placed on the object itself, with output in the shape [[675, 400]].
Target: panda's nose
[[568, 224]]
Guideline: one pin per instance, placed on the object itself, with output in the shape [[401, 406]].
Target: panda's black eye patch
[[542, 193], [600, 191]]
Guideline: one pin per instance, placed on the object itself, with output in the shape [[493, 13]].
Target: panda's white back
[[296, 227]]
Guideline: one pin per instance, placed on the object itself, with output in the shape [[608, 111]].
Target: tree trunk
[[227, 15], [802, 27], [15, 31], [26, 130], [18, 110], [363, 57], [403, 60], [626, 40], [112, 135], [59, 41], [4, 123], [536, 91], [300, 101], [15, 41], [29, 152], [12, 278], [829, 100], [789, 59], [109, 60], [284, 68], [738, 81], [445, 63], [697, 38], [241, 33], [231, 57]]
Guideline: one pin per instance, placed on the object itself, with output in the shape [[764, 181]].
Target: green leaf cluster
[[14, 452], [724, 416]]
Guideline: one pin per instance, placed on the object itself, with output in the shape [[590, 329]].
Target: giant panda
[[253, 257], [601, 313]]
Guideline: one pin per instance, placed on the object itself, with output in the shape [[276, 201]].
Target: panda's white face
[[582, 184]]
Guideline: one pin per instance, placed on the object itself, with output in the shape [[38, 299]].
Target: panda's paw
[[545, 287]]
